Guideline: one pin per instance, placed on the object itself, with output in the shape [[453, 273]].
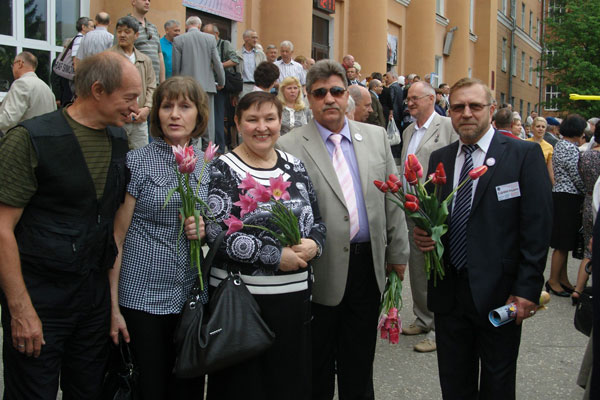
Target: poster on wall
[[230, 9], [392, 49]]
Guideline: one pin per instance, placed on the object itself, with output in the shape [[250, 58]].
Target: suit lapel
[[316, 150], [495, 151], [407, 136], [430, 133]]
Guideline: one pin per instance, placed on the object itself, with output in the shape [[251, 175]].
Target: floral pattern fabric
[[564, 164]]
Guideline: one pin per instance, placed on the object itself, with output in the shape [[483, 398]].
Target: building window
[[502, 99], [512, 102], [556, 10], [528, 109], [538, 29], [523, 16], [551, 95], [470, 72], [513, 63], [521, 110], [321, 38], [523, 66], [513, 9], [530, 22], [550, 58], [504, 54], [439, 7], [539, 75], [439, 69], [530, 70]]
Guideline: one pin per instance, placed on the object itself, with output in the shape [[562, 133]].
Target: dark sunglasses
[[335, 91], [458, 108]]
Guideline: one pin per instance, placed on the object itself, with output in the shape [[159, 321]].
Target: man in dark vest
[[62, 178]]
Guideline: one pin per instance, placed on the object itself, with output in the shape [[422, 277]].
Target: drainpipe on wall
[[543, 44], [512, 46]]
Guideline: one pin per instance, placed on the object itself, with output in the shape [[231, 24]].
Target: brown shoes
[[425, 346]]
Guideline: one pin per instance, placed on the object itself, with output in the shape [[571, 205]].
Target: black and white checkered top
[[156, 276]]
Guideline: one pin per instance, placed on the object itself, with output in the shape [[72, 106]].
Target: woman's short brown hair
[[172, 89], [257, 99]]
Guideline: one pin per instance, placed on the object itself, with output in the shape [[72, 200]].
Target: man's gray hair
[[193, 21], [410, 77], [271, 46], [171, 23], [248, 32], [355, 93], [288, 44], [427, 88], [393, 73], [373, 83], [105, 68], [322, 70]]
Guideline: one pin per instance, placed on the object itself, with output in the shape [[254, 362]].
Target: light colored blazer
[[195, 54], [439, 134], [259, 56], [28, 97], [387, 225]]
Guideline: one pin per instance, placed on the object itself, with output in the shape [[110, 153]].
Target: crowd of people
[[89, 251]]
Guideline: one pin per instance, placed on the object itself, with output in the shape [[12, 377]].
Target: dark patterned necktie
[[461, 211]]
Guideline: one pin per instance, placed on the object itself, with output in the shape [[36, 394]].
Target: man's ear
[[97, 90]]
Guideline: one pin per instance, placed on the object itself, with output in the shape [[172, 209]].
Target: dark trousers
[[154, 355], [283, 371], [344, 336], [221, 97], [76, 349], [464, 338]]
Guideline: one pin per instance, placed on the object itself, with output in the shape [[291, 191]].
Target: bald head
[[102, 19], [362, 100]]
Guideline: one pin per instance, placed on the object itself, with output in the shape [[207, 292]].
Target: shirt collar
[[101, 28], [427, 123], [248, 51], [325, 133], [376, 95], [483, 143]]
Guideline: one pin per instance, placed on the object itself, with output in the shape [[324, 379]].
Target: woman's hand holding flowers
[[306, 250], [190, 228], [290, 260]]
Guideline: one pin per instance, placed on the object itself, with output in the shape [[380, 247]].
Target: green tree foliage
[[572, 31]]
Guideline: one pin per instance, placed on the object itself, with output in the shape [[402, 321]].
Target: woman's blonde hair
[[291, 80]]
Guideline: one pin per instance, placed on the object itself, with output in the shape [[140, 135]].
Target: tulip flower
[[384, 333], [393, 313], [394, 335], [411, 177], [477, 172], [248, 183], [411, 198], [392, 186], [188, 164], [439, 177], [233, 224], [278, 188], [411, 206], [260, 193], [397, 181], [381, 185], [247, 204], [179, 153], [412, 163], [210, 152]]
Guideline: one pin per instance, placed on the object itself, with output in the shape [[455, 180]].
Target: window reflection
[[36, 15], [6, 22], [67, 13], [43, 68], [7, 55]]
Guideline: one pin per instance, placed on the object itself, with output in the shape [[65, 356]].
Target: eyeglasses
[[475, 107], [15, 61], [415, 98], [335, 91]]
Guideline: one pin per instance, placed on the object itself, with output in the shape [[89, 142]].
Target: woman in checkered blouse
[[151, 276]]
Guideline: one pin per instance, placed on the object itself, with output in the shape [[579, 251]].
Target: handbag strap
[[212, 252]]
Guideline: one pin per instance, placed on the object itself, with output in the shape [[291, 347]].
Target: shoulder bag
[[224, 332], [233, 79]]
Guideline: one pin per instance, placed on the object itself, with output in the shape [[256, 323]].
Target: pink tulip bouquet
[[426, 210], [390, 325], [185, 161], [253, 196]]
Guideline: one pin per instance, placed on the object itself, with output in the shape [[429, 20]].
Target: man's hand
[[306, 250], [26, 330], [141, 116], [423, 240], [525, 308], [220, 87], [398, 268]]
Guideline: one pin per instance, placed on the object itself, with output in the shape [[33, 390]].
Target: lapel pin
[[490, 162], [358, 137]]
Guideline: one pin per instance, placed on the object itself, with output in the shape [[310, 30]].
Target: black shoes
[[562, 293]]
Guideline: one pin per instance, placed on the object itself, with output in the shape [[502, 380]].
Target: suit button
[[346, 249], [346, 218]]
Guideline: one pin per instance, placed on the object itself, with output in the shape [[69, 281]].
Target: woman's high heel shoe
[[554, 292], [567, 288]]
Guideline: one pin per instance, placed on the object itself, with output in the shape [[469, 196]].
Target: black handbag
[[580, 245], [224, 332], [233, 79], [584, 313], [121, 379]]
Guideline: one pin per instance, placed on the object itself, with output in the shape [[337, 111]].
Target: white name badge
[[508, 191]]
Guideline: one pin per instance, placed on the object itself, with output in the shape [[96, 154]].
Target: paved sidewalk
[[550, 356]]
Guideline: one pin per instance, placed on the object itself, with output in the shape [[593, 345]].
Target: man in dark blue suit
[[496, 248]]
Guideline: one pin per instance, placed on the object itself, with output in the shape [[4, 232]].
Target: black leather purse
[[121, 379], [224, 332], [584, 313]]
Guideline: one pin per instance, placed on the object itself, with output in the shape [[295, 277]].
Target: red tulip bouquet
[[390, 325], [426, 210], [185, 161], [254, 195]]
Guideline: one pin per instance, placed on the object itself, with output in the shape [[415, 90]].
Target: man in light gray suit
[[366, 233], [429, 132], [195, 54]]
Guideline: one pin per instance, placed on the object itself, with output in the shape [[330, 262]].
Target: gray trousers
[[418, 282]]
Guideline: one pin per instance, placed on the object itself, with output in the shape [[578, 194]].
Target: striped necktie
[[461, 211], [345, 178]]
